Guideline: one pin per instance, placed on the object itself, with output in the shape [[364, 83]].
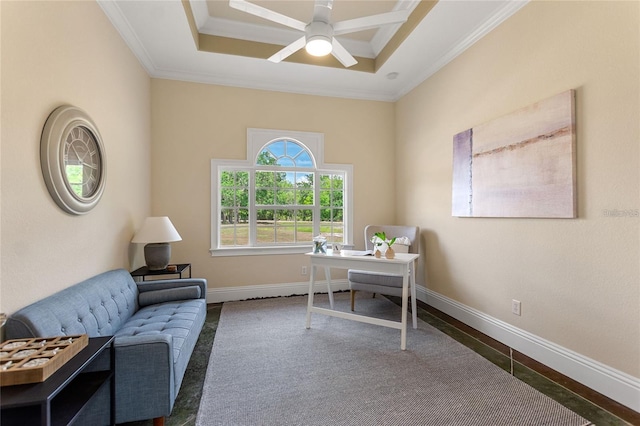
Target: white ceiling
[[158, 33]]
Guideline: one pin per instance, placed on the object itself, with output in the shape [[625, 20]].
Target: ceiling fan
[[319, 34]]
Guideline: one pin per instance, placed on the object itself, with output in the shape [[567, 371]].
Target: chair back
[[391, 231]]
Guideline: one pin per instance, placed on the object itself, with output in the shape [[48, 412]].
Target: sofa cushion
[[181, 320], [375, 282], [97, 306], [168, 294], [367, 277]]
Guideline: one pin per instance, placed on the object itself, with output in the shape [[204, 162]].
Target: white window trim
[[257, 139]]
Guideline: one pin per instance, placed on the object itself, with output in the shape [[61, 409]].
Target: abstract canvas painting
[[519, 165]]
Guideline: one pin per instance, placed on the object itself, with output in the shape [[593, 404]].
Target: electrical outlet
[[516, 307], [303, 270]]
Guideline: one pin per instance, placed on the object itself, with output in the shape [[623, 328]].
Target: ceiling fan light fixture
[[318, 45], [318, 37], [319, 41]]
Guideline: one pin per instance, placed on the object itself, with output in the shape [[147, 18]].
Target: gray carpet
[[267, 369]]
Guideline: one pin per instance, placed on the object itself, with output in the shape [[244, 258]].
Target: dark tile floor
[[597, 408]]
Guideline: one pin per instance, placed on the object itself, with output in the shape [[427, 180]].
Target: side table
[[145, 272], [61, 398]]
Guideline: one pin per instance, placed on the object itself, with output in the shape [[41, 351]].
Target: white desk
[[403, 264]]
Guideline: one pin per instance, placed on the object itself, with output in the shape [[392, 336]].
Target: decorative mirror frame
[[57, 128]]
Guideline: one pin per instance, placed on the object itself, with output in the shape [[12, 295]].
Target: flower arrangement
[[380, 238]]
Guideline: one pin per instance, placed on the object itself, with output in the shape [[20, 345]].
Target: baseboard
[[615, 384], [227, 294]]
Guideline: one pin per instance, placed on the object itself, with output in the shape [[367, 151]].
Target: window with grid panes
[[282, 199]]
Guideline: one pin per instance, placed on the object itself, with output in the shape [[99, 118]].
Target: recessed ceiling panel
[[164, 36], [302, 10]]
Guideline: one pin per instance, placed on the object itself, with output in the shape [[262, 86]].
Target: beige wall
[[578, 279], [193, 123], [56, 52]]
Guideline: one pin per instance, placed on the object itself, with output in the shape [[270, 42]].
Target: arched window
[[285, 153], [281, 197]]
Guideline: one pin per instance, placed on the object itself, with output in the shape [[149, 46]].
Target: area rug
[[266, 368]]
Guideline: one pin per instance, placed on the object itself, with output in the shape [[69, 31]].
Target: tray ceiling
[[209, 42]]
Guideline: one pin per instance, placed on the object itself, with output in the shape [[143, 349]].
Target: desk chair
[[384, 283]]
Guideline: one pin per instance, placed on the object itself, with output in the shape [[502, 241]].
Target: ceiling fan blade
[[368, 22], [288, 50], [267, 14], [342, 55]]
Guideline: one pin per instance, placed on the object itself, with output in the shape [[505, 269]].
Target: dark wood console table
[[61, 398]]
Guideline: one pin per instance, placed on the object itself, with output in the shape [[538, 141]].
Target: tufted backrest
[[394, 231], [97, 306]]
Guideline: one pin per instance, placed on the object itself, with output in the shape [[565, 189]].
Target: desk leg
[[312, 280], [405, 297], [414, 308], [327, 274]]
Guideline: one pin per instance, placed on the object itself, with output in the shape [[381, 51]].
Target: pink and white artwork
[[519, 165]]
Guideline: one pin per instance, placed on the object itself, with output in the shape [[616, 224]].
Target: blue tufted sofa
[[156, 325]]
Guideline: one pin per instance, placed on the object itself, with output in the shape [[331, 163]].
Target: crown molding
[[486, 27], [191, 68], [386, 33], [121, 24], [241, 82]]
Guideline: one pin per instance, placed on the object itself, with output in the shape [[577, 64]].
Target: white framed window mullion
[[316, 203], [253, 231]]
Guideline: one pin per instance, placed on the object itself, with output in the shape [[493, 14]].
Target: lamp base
[[157, 256]]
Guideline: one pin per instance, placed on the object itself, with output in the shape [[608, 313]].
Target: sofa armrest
[[174, 283], [144, 376], [143, 339]]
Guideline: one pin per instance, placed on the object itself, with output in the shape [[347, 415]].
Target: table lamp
[[157, 233]]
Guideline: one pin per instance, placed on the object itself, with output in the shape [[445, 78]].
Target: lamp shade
[[156, 230]]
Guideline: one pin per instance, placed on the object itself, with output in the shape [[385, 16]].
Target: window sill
[[265, 251], [259, 251]]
